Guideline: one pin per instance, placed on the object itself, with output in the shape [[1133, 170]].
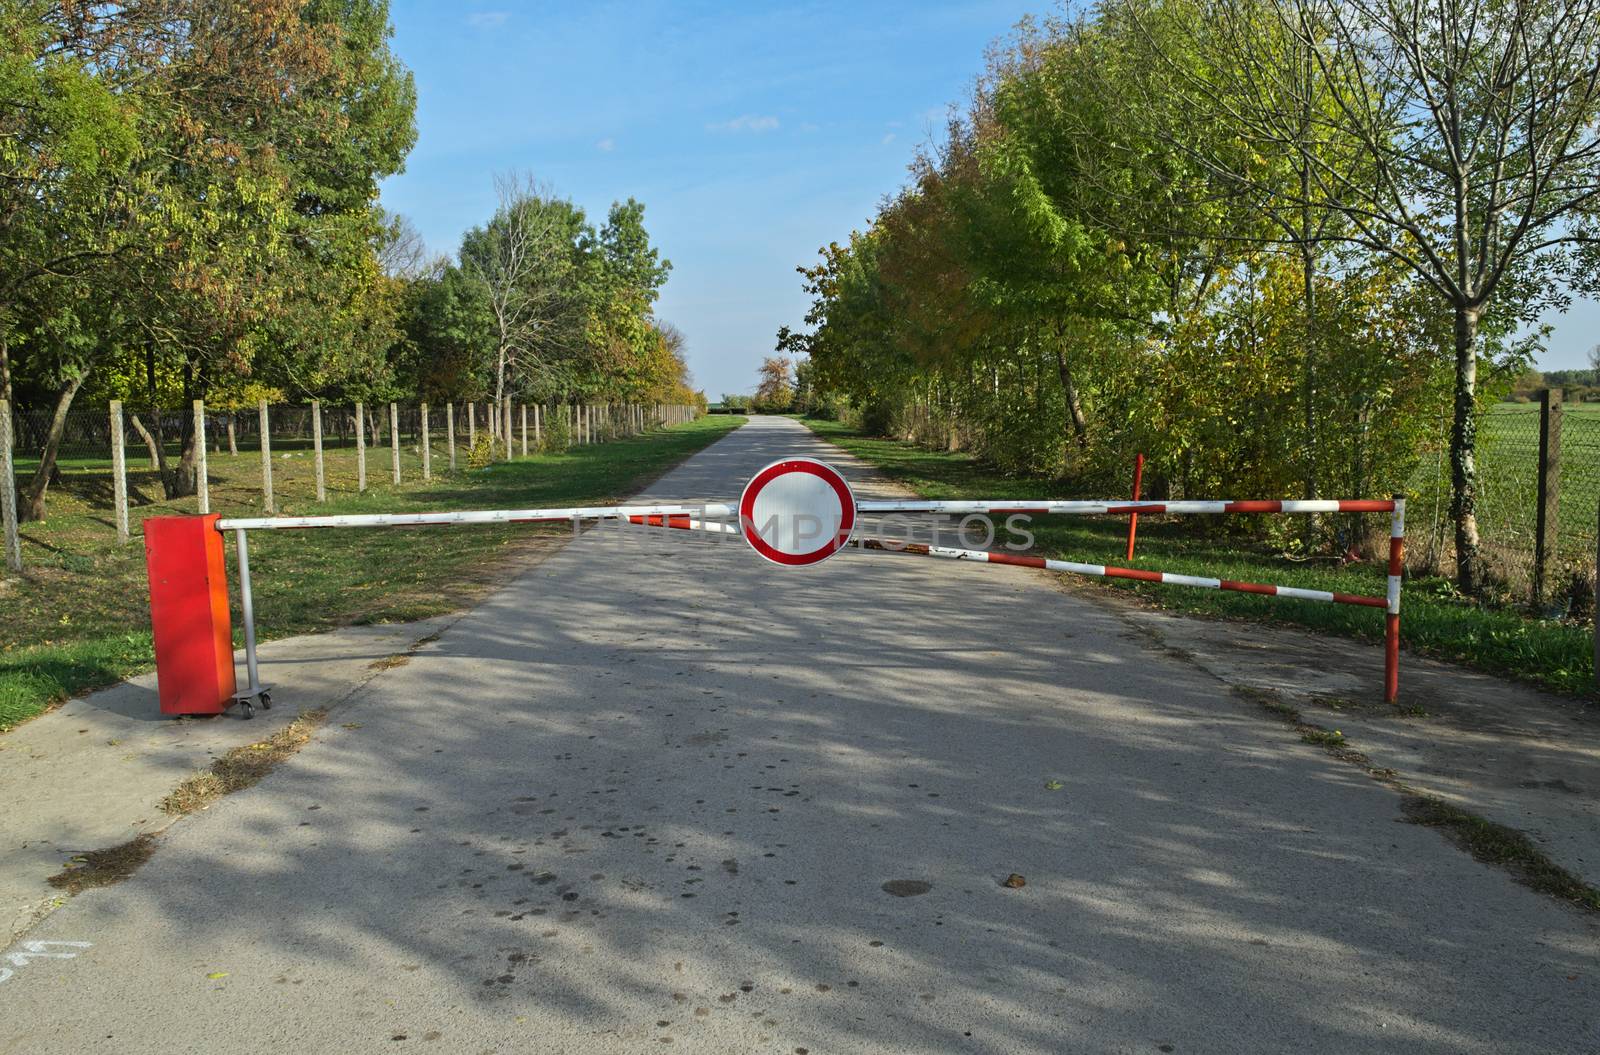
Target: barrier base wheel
[[249, 710], [266, 701]]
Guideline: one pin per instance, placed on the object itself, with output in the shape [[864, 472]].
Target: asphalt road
[[649, 797]]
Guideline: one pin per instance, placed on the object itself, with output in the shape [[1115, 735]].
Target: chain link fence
[[1509, 504]]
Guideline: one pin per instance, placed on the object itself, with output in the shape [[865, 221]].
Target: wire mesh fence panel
[[1508, 502], [1579, 518]]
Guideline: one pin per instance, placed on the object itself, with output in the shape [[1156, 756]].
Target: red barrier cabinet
[[189, 614]]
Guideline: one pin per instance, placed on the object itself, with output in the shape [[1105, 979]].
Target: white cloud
[[487, 19], [745, 123], [890, 138], [606, 145]]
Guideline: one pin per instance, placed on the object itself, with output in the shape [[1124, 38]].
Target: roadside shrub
[[556, 436], [481, 454]]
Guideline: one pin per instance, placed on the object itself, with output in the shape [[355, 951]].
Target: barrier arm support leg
[[247, 610], [1391, 630]]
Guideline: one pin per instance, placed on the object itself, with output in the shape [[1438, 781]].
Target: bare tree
[[524, 262], [403, 253], [1457, 137]]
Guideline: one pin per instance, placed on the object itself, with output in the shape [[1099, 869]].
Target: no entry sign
[[798, 511]]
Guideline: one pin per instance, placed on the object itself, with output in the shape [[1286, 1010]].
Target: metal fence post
[[427, 453], [361, 448], [1547, 530], [202, 481], [394, 440], [316, 447], [119, 473], [266, 460], [8, 491]]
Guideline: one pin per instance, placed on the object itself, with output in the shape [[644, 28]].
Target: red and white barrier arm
[[710, 512], [1096, 508], [1390, 602], [1138, 574], [687, 523]]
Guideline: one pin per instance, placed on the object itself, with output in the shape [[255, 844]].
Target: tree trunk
[[1080, 427], [158, 443], [1309, 267], [149, 441], [500, 376], [185, 479], [1463, 454], [33, 508]]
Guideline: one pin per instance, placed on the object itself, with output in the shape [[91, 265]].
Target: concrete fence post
[[394, 440], [538, 438], [119, 473], [1547, 526], [427, 452], [8, 491], [361, 448], [472, 427], [524, 430], [505, 425], [266, 460], [450, 431], [316, 449], [202, 480]]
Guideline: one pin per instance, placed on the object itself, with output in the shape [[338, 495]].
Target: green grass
[[78, 617], [1434, 621]]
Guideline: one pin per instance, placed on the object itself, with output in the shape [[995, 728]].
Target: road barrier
[[774, 516], [1390, 602]]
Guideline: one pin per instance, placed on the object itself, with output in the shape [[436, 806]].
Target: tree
[[1465, 147], [68, 136], [525, 261], [775, 393]]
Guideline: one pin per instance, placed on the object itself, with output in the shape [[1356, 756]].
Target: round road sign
[[796, 512]]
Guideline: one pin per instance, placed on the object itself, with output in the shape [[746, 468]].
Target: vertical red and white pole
[[1391, 631], [1133, 521]]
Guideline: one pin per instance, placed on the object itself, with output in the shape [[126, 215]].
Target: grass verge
[[1434, 620], [242, 767], [78, 618]]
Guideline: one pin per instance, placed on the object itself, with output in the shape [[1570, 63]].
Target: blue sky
[[754, 133]]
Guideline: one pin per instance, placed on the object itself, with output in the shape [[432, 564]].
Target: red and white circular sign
[[796, 512]]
